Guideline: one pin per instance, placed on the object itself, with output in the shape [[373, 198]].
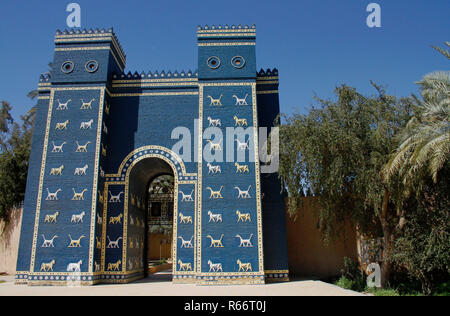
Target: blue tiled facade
[[102, 134]]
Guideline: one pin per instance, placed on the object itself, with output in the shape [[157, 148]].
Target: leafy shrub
[[352, 278]]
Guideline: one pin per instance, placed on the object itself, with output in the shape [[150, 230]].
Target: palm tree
[[443, 51], [425, 141]]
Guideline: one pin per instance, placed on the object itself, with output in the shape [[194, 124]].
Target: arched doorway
[[151, 193], [126, 216], [160, 197]]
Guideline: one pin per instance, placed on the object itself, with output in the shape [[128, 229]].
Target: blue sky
[[316, 45]]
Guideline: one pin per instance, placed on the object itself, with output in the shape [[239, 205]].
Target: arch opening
[[151, 208]]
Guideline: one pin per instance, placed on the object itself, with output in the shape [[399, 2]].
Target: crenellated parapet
[[87, 36], [45, 78], [95, 44], [267, 73], [156, 75], [201, 28], [210, 35]]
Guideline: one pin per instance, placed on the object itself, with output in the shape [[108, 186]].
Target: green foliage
[[345, 283], [15, 145], [352, 278], [443, 289], [443, 51], [425, 141], [337, 151], [421, 162], [160, 262], [383, 292], [424, 245]]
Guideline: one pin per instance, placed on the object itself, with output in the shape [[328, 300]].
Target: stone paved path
[[159, 284]]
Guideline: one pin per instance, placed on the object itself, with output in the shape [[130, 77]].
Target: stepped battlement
[[226, 32], [67, 37], [267, 73], [156, 75], [44, 78], [245, 28]]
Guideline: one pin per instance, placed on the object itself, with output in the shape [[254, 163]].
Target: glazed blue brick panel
[[29, 210], [159, 116], [232, 114], [273, 203], [114, 233], [58, 178], [114, 66], [268, 109], [140, 121], [223, 68], [185, 229], [225, 241], [68, 181], [79, 61], [67, 168], [230, 233], [274, 229]]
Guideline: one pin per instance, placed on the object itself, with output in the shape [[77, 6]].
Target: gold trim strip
[[276, 271], [162, 84], [257, 180], [227, 84], [267, 78], [267, 82], [84, 35], [104, 38], [213, 34], [198, 224], [41, 181], [95, 182], [148, 94], [65, 49], [117, 81], [82, 39], [78, 88], [267, 92], [227, 30], [228, 44]]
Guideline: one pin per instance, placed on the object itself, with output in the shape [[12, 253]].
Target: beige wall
[[308, 256], [155, 246], [9, 242]]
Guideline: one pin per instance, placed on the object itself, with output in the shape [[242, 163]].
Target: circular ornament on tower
[[213, 62], [238, 62], [67, 67], [91, 66]]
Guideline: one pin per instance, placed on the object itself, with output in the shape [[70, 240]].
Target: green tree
[[421, 162], [425, 142], [423, 247], [337, 151], [15, 145]]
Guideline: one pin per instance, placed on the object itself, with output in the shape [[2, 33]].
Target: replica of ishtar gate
[[105, 179]]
